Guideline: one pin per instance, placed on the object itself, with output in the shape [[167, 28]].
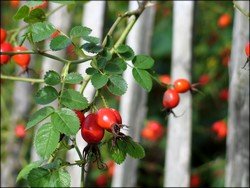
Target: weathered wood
[[178, 146], [61, 20], [237, 168], [93, 18], [133, 103]]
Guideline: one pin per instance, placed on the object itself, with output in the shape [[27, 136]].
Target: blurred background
[[212, 39]]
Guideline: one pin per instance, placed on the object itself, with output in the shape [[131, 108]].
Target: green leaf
[[110, 42], [142, 77], [60, 42], [92, 48], [41, 31], [52, 78], [134, 149], [39, 177], [53, 165], [46, 95], [116, 152], [39, 116], [22, 12], [125, 52], [143, 62], [117, 85], [66, 121], [99, 80], [36, 15], [91, 71], [34, 3], [46, 140], [121, 63], [101, 62], [106, 54], [74, 100], [73, 78], [79, 31], [113, 68], [23, 174], [91, 39]]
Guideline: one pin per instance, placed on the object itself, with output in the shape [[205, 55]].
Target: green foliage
[[60, 42], [52, 78], [80, 31], [99, 80], [41, 31], [46, 140], [23, 174], [22, 12], [46, 95], [143, 78], [92, 47], [65, 121], [73, 100], [125, 52], [73, 78], [143, 62], [36, 15], [117, 85], [39, 116]]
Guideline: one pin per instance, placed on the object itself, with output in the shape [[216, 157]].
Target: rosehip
[[106, 118], [170, 99], [224, 20], [5, 47], [195, 180], [182, 85], [101, 180], [204, 79], [3, 35], [247, 49], [20, 131], [22, 60], [165, 79], [91, 132], [220, 129], [80, 116]]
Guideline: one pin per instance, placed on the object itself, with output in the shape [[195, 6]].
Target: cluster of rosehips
[[94, 124], [153, 131], [22, 60], [171, 96]]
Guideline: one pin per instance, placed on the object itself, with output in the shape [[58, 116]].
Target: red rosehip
[[224, 20], [22, 60], [195, 180], [220, 129], [247, 49], [5, 47], [204, 79], [182, 85], [3, 35], [20, 131], [165, 79], [170, 99]]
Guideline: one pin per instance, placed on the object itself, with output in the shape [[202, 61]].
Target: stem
[[53, 11], [32, 80], [240, 9], [125, 33], [84, 84], [82, 60]]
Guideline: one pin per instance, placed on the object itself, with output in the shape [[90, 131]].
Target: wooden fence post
[[178, 146], [133, 103], [237, 168], [93, 18], [61, 20]]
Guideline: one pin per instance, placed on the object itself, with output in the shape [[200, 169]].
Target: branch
[[31, 80]]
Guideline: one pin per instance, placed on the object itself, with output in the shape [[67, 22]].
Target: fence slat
[[93, 18], [61, 20], [237, 168], [133, 103], [178, 146]]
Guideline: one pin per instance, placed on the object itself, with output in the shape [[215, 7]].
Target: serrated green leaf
[[39, 177], [92, 48], [22, 12], [53, 165], [134, 149], [23, 174], [113, 68], [36, 15], [79, 31], [74, 100], [99, 80], [52, 78], [46, 140], [142, 77], [121, 63], [60, 42], [101, 62], [143, 62], [117, 85], [39, 116], [116, 152], [91, 71], [91, 39], [60, 178], [66, 121], [41, 31], [73, 78], [125, 52], [46, 95], [106, 54]]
